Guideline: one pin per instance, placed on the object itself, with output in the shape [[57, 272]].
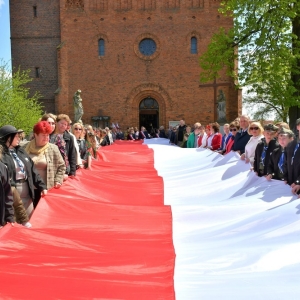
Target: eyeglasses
[[76, 128], [233, 129], [253, 128]]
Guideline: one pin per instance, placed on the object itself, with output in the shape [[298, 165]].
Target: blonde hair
[[257, 124], [197, 125], [77, 124]]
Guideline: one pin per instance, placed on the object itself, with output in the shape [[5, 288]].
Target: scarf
[[32, 149]]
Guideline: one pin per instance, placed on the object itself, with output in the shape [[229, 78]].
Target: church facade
[[136, 62]]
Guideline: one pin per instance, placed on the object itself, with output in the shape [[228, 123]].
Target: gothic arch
[[143, 91]]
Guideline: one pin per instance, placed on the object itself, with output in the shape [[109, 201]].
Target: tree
[[265, 40], [17, 107]]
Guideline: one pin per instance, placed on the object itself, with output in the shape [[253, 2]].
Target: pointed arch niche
[[148, 91]]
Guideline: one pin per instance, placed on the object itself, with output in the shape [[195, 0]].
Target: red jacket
[[229, 145], [216, 141]]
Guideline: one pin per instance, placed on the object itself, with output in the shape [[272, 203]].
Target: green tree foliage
[[265, 40], [17, 108]]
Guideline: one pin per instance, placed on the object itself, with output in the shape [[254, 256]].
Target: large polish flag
[[154, 221]]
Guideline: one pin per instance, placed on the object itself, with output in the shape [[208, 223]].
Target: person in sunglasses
[[264, 149], [256, 130], [80, 144], [234, 127]]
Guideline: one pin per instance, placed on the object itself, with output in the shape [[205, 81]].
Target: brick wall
[[114, 84], [33, 44]]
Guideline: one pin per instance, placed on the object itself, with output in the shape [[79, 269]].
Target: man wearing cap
[[263, 150], [292, 163], [277, 157]]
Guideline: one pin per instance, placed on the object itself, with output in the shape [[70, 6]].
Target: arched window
[[194, 48], [101, 47]]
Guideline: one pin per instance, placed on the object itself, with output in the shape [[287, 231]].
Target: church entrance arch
[[149, 113]]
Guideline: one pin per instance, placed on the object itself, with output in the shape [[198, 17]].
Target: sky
[[5, 53]]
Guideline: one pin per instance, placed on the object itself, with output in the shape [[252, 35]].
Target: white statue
[[78, 108], [221, 107]]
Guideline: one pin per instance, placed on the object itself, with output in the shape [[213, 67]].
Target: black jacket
[[71, 153], [6, 198], [240, 141], [292, 171], [273, 168], [33, 177], [120, 136], [258, 152], [162, 134], [145, 132]]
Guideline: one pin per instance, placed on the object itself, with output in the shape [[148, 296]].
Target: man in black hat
[[292, 163], [263, 150], [277, 157]]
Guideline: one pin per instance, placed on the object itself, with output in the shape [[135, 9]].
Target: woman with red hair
[[46, 157]]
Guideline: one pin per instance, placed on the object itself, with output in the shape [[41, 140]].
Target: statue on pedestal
[[221, 107], [78, 108]]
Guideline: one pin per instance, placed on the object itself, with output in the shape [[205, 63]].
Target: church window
[[147, 46], [194, 46], [101, 47], [34, 11], [149, 103]]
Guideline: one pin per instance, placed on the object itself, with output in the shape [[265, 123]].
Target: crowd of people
[[57, 148], [272, 150], [51, 155]]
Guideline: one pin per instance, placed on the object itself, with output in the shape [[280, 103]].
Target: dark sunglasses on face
[[232, 129], [254, 128], [78, 128]]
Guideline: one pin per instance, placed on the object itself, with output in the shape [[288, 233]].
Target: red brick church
[[135, 61]]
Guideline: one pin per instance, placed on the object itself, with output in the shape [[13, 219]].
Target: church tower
[[135, 61]]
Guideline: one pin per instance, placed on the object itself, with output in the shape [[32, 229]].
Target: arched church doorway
[[149, 113]]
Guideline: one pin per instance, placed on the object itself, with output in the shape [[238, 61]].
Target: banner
[[236, 236], [104, 235]]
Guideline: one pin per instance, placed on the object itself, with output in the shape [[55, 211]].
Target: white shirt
[[209, 140], [251, 146], [78, 158], [204, 138]]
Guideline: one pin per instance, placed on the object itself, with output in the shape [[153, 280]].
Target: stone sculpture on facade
[[221, 107], [78, 108]]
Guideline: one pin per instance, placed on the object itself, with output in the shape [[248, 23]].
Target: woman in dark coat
[[6, 199], [22, 172]]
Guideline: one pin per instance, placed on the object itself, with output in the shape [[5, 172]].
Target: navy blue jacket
[[240, 141]]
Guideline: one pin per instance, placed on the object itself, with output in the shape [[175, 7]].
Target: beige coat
[[56, 167]]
